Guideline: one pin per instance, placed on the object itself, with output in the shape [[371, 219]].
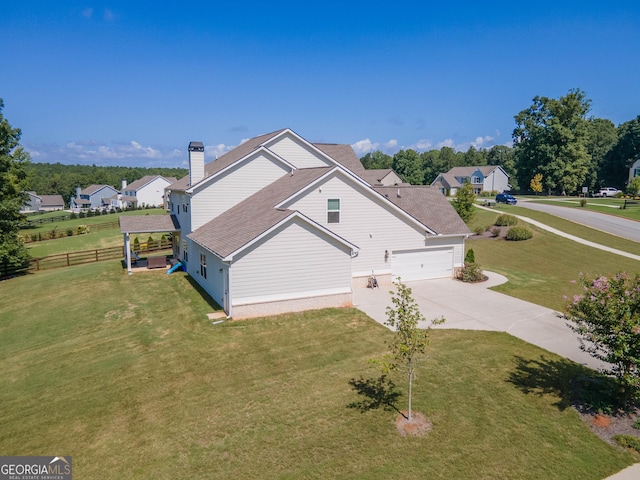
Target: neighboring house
[[280, 224], [42, 203], [634, 170], [488, 178], [94, 196], [147, 191], [386, 177]]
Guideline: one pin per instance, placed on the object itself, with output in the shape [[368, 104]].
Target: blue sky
[[131, 83]]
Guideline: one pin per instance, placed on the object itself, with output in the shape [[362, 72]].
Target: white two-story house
[[281, 224]]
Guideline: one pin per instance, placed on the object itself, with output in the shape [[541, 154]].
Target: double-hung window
[[333, 210], [203, 265]]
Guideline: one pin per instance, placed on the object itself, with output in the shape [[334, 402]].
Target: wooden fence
[[68, 232], [80, 258]]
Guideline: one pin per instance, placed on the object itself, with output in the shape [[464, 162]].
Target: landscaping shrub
[[505, 220], [636, 424], [470, 257], [583, 202], [495, 232], [82, 229], [518, 233], [627, 441], [471, 272], [73, 216], [69, 232]]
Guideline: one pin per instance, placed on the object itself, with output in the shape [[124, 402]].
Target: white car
[[607, 192]]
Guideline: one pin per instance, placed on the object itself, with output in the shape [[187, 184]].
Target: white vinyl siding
[[297, 153], [365, 220], [294, 261], [233, 186], [184, 219], [333, 210], [213, 284], [150, 194]]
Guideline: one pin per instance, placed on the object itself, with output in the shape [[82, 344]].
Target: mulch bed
[[419, 424]]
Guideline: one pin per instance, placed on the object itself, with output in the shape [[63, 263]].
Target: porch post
[[127, 251]]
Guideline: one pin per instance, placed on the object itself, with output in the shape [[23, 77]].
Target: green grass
[[541, 269], [92, 240], [136, 383]]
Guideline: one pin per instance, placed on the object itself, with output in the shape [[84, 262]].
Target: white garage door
[[422, 264]]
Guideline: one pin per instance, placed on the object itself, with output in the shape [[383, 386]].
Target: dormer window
[[333, 210]]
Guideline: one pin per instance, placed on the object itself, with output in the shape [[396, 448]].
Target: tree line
[[555, 145], [59, 179]]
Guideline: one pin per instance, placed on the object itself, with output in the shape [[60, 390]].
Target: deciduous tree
[[606, 316], [551, 138], [536, 183], [409, 342], [463, 202], [13, 159], [408, 165]]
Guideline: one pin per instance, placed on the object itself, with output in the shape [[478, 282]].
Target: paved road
[[621, 227]]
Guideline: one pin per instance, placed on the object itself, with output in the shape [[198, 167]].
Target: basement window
[[333, 210]]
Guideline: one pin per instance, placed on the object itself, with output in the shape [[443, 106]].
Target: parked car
[[606, 192], [506, 198]]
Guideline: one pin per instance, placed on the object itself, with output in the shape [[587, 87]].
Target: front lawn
[[127, 375], [540, 270]]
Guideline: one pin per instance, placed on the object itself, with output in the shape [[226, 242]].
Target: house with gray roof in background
[[281, 224], [92, 197], [486, 178], [42, 203]]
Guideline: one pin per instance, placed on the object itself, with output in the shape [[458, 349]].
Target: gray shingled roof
[[141, 182], [467, 171], [91, 189], [255, 215], [148, 223], [51, 200], [427, 205], [375, 175], [343, 154]]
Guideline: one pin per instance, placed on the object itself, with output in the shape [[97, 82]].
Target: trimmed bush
[[628, 441], [518, 233], [505, 220], [583, 202], [471, 272], [495, 232], [470, 257]]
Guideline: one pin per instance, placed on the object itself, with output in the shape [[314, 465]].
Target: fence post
[[68, 260], [97, 260]]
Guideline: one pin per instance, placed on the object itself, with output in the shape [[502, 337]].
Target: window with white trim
[[203, 265], [333, 210]]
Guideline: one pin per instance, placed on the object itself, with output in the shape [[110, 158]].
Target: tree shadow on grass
[[574, 385]]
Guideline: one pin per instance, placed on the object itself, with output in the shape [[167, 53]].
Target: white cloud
[[108, 15], [216, 150], [480, 142], [393, 143], [422, 145], [92, 152], [364, 146], [448, 142]]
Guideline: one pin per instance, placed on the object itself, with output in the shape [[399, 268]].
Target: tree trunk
[[410, 392]]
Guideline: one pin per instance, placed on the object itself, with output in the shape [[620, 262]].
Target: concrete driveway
[[473, 307]]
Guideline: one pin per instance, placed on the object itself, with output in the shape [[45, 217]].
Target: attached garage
[[422, 264]]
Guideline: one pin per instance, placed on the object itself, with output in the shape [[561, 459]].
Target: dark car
[[506, 198]]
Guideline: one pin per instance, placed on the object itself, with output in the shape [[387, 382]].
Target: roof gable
[[231, 231]]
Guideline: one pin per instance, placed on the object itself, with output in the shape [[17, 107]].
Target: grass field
[[129, 377], [541, 269], [93, 240]]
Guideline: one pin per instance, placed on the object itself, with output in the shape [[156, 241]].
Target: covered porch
[[138, 224]]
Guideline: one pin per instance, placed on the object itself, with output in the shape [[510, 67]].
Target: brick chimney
[[196, 162]]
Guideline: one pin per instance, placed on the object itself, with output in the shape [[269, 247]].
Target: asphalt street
[[622, 227]]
